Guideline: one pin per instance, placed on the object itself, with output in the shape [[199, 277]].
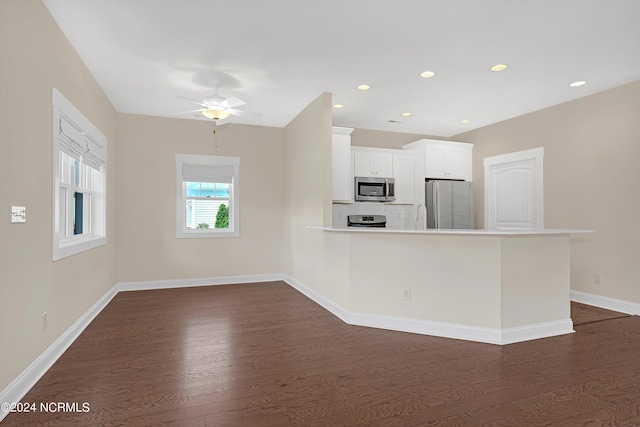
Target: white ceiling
[[279, 55]]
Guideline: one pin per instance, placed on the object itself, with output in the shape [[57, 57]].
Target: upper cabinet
[[405, 177], [444, 159], [372, 162], [342, 174]]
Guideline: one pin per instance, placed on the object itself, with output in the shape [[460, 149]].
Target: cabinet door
[[435, 164], [372, 163], [363, 163], [403, 172], [457, 163], [448, 162], [383, 165], [342, 177]]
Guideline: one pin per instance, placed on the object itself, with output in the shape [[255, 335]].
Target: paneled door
[[513, 193]]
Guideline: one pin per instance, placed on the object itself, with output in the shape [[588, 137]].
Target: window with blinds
[[207, 196], [79, 176]]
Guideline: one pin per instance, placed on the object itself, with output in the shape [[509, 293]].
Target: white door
[[513, 196]]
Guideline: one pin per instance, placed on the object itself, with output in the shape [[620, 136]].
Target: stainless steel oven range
[[366, 221]]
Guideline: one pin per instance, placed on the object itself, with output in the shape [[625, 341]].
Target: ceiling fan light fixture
[[216, 114]]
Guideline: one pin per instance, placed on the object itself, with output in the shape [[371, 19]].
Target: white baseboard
[[336, 309], [204, 281], [536, 331], [606, 302], [19, 387], [439, 329]]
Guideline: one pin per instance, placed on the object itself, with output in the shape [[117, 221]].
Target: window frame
[[182, 232], [70, 244]]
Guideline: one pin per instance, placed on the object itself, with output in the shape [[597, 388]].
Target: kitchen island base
[[494, 287]]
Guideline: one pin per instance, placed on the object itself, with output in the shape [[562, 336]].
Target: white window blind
[[95, 155], [207, 173], [71, 140], [80, 147]]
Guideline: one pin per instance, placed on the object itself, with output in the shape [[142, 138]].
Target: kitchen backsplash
[[399, 217]]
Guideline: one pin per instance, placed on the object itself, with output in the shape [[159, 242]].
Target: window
[[79, 180], [207, 196]]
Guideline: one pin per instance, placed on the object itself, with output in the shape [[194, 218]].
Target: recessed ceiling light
[[364, 87], [465, 121], [427, 74], [578, 83], [338, 106], [406, 114], [499, 67]]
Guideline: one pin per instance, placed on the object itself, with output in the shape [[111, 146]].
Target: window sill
[[65, 249], [209, 234]]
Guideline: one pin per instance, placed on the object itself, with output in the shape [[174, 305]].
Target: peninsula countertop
[[466, 232]]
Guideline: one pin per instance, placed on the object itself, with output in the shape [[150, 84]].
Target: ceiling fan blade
[[191, 111], [252, 115], [231, 102], [193, 100], [222, 122]]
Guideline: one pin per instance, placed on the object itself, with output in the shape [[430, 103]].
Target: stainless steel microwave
[[374, 189]]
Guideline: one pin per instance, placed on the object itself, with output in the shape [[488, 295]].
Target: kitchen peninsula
[[493, 286]]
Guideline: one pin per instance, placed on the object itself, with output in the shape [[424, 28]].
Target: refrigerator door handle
[[436, 211]]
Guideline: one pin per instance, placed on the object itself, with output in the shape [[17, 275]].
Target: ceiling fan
[[219, 109]]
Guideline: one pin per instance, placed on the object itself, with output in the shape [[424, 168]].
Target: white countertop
[[466, 232]]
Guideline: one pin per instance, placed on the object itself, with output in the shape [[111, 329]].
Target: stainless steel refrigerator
[[449, 204]]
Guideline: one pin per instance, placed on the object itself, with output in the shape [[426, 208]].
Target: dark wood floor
[[264, 355]]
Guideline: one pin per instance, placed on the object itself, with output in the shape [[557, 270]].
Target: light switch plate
[[18, 214]]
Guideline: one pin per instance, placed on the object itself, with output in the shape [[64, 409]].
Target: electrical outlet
[[406, 295], [44, 320], [596, 278]]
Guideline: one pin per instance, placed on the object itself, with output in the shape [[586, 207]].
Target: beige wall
[[35, 57], [314, 259], [591, 177], [147, 245]]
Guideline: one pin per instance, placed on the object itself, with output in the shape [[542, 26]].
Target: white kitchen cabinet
[[444, 159], [372, 162], [341, 168], [404, 174]]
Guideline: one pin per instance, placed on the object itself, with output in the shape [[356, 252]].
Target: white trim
[[536, 331], [613, 304], [19, 387], [335, 309], [439, 329], [425, 327], [204, 281]]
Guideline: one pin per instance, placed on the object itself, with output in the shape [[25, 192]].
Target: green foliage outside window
[[222, 218]]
